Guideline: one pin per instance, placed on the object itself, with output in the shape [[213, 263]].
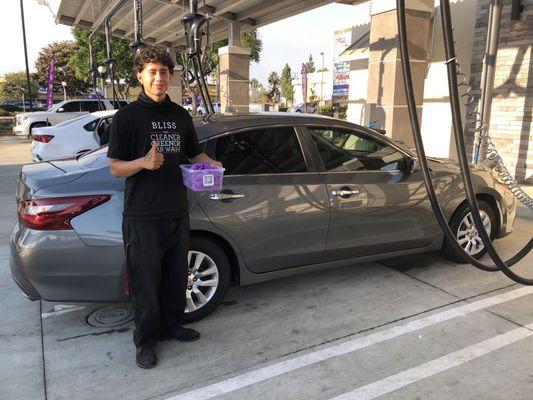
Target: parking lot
[[413, 328]]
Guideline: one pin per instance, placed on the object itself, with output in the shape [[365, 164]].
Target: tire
[[460, 221], [213, 257]]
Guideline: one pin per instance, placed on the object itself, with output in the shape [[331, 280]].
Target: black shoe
[[182, 334], [145, 357]]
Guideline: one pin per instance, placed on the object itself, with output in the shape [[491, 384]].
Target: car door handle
[[344, 192], [225, 196]]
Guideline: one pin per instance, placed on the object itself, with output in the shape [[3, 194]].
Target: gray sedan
[[300, 193]]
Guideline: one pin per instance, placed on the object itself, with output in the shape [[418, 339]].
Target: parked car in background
[[300, 193], [310, 108], [200, 110], [18, 105], [60, 112], [72, 137]]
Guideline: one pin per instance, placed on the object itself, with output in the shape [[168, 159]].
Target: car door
[[273, 203], [377, 204]]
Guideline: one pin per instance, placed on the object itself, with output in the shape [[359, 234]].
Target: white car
[[71, 138], [200, 110], [26, 122]]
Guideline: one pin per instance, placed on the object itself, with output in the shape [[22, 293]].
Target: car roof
[[213, 124], [103, 113]]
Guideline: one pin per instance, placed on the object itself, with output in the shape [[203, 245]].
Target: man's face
[[155, 79]]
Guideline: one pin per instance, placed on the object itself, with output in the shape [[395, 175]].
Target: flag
[[304, 86], [50, 85]]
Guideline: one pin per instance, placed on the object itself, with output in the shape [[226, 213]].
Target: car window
[[261, 151], [91, 126], [347, 150], [90, 106], [71, 106]]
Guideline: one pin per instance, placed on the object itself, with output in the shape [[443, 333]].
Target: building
[[375, 87]]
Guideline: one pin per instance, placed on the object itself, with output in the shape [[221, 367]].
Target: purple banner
[[304, 86], [50, 85]]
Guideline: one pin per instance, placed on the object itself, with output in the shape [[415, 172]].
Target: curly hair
[[148, 55]]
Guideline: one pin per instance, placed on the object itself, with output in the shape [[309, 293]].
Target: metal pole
[[487, 80], [138, 34], [193, 6], [26, 54]]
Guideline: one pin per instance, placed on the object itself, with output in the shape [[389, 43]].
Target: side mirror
[[413, 165], [60, 109]]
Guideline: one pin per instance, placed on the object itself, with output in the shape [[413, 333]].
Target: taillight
[[42, 138], [50, 214]]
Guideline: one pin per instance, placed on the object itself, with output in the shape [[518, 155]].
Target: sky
[[312, 34]]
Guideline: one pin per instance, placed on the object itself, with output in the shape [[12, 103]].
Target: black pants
[[156, 253]]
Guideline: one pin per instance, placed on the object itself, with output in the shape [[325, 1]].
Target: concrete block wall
[[512, 103]]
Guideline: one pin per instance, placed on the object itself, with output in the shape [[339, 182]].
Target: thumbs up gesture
[[153, 160]]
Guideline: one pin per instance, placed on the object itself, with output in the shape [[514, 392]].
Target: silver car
[[300, 193]]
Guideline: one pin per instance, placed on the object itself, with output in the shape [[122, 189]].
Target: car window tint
[[71, 106], [261, 151], [91, 126], [346, 150], [90, 106]]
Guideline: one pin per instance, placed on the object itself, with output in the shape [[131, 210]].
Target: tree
[[255, 89], [310, 65], [249, 40], [273, 87], [313, 99], [15, 85], [287, 89], [120, 50], [64, 71]]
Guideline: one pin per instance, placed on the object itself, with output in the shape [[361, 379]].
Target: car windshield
[[55, 107], [76, 119]]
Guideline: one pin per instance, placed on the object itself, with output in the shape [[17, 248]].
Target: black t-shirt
[[159, 193]]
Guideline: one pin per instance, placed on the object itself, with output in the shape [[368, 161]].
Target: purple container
[[202, 177]]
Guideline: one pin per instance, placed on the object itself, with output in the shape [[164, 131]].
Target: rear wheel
[[465, 232], [209, 278]]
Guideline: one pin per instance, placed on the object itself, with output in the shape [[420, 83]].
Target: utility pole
[[26, 54], [322, 80]]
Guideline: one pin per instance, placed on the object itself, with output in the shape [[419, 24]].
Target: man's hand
[[153, 160]]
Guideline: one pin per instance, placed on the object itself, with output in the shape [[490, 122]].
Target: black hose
[[197, 78], [411, 105], [209, 106], [461, 148]]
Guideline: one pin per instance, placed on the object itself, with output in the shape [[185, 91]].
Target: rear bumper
[[58, 266]]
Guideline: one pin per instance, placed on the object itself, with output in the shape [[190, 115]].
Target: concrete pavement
[[393, 330]]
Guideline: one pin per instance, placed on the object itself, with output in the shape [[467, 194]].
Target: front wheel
[[209, 278], [465, 232]]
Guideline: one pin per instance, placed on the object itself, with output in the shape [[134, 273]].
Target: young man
[[149, 139]]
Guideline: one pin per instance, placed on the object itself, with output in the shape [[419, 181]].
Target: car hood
[[36, 114]]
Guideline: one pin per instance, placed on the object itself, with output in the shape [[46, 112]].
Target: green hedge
[[328, 110], [7, 124], [4, 113]]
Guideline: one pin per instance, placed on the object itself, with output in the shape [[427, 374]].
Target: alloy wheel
[[468, 236], [202, 282]]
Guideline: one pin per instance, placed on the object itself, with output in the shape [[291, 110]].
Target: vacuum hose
[[467, 180]]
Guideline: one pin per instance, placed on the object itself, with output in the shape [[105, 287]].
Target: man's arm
[[124, 169], [202, 157]]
